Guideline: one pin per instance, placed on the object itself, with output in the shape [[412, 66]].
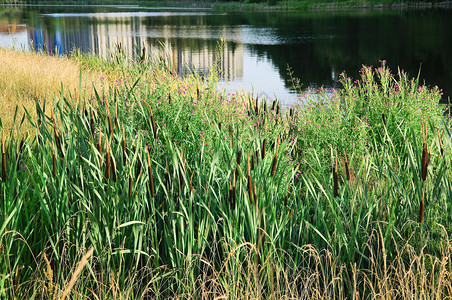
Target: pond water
[[258, 46]]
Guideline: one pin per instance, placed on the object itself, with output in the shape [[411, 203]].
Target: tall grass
[[183, 191]]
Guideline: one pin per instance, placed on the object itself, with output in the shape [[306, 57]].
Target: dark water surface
[[259, 46]]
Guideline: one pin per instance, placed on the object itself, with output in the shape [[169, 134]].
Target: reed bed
[[141, 192]]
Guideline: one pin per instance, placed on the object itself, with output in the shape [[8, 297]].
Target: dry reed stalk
[[250, 184], [263, 148], [335, 179], [124, 148], [421, 209], [425, 153], [48, 272], [3, 157], [347, 168], [99, 146], [77, 272], [54, 168], [151, 179], [275, 160]]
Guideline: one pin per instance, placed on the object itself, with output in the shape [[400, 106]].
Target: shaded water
[[259, 46]]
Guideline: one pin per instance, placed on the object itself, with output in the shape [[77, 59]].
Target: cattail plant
[[275, 160], [154, 128], [110, 124], [107, 165], [219, 121], [116, 115], [264, 146], [347, 168], [231, 135], [112, 161], [441, 149], [169, 98], [383, 118]]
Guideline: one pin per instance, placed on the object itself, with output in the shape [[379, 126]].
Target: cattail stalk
[[347, 168], [275, 160], [250, 184], [99, 146], [421, 209], [425, 154], [124, 148], [3, 157], [54, 168], [151, 180]]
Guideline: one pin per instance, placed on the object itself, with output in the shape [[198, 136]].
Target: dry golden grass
[[25, 76]]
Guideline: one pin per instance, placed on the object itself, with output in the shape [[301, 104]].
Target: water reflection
[[318, 46]]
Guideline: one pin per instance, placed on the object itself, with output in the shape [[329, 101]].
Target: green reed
[[174, 206]]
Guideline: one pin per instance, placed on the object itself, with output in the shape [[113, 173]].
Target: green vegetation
[[158, 186]]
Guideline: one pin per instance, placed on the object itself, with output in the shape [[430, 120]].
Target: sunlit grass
[[25, 77]]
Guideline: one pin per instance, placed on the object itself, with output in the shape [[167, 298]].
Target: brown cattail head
[[197, 91], [335, 179], [169, 98], [273, 104], [231, 135], [274, 163], [421, 209], [138, 168], [3, 157], [277, 109], [130, 186], [57, 136], [108, 165], [252, 161], [384, 119], [112, 161], [441, 149], [291, 112], [264, 146], [425, 154]]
